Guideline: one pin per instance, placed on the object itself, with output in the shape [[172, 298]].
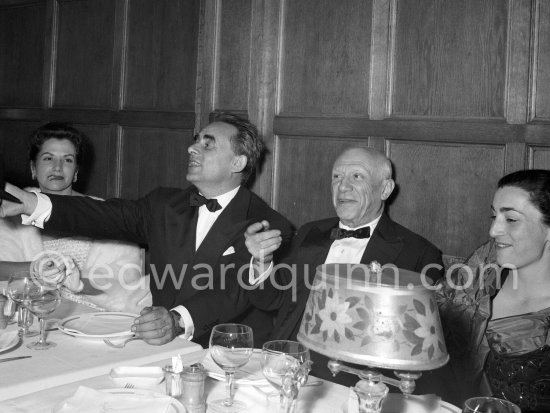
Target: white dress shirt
[[350, 250]]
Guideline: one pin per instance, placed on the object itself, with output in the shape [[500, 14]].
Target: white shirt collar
[[371, 224], [225, 199]]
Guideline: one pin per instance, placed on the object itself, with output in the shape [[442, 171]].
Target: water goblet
[[231, 346], [41, 302], [286, 366], [19, 285], [489, 405]]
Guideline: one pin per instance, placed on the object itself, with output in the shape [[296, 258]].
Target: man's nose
[[193, 149], [344, 185]]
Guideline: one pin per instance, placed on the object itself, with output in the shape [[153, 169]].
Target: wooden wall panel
[[97, 175], [539, 157], [153, 157], [233, 59], [84, 64], [445, 191], [161, 63], [325, 57], [303, 167], [21, 55], [450, 58], [542, 63], [14, 152]]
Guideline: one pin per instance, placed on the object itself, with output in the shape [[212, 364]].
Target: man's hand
[[10, 209], [155, 325], [262, 242]]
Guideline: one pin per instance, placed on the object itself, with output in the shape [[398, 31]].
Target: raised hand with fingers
[[262, 242]]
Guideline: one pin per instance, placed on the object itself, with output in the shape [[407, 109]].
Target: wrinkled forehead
[[219, 130], [357, 159]]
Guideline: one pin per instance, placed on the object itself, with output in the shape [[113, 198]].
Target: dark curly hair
[[56, 130], [246, 142], [536, 182]]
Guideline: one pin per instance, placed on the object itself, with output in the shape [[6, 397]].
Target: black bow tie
[[197, 200], [339, 233]]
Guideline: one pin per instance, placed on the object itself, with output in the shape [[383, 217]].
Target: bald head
[[361, 182]]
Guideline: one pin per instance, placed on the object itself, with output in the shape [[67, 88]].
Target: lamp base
[[371, 394]]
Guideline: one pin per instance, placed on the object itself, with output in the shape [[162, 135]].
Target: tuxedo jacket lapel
[[385, 244], [231, 221]]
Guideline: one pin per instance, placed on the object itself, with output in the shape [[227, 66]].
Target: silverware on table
[[14, 358], [119, 344]]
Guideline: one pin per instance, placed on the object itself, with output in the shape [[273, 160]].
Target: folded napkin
[[8, 339], [87, 400], [396, 402], [249, 374]]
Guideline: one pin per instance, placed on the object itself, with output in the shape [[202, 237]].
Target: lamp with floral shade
[[375, 316]]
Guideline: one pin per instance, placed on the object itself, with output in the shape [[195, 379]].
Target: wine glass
[[231, 346], [286, 366], [489, 405], [19, 284], [41, 302]]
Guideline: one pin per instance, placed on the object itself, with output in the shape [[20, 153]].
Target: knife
[[14, 358]]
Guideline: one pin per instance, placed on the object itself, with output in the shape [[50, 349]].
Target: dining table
[[44, 381]]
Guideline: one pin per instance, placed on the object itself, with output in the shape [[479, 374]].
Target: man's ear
[[238, 163], [387, 188]]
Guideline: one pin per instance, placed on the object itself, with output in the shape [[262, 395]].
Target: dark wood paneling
[[542, 59], [153, 157], [84, 69], [13, 150], [21, 53], [303, 167], [473, 131], [161, 54], [539, 157], [233, 60], [97, 174], [325, 57], [445, 191], [450, 58]]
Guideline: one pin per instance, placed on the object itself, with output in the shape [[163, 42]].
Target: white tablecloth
[[75, 359]]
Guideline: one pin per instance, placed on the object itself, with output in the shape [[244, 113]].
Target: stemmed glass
[[41, 302], [286, 366], [35, 298], [231, 346], [18, 283]]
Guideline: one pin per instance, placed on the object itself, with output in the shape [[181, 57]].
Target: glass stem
[[229, 375], [289, 404], [42, 340]]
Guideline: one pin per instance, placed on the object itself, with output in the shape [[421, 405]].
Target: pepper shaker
[[193, 397]]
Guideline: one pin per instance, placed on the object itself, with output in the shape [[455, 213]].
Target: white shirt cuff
[[187, 322], [260, 278], [41, 213]]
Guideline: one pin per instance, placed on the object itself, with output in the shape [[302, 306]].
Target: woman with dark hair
[[110, 270], [496, 309]]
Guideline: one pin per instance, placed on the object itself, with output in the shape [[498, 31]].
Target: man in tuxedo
[[361, 233], [199, 264]]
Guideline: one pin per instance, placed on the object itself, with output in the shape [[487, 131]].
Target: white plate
[[98, 325], [138, 376], [8, 340], [250, 374], [174, 407]]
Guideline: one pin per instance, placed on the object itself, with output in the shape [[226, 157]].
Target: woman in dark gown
[[496, 309]]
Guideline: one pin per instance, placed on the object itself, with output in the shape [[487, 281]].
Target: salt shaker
[[193, 397]]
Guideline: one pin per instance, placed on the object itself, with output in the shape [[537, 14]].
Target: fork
[[129, 386], [119, 344]]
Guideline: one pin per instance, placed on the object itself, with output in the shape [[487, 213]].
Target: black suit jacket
[[204, 281], [390, 243]]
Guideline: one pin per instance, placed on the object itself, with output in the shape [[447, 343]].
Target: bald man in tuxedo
[[361, 233]]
